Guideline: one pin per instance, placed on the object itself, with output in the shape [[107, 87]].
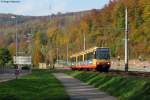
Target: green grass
[[40, 85], [124, 88]]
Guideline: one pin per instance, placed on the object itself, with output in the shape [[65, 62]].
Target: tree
[[37, 54], [5, 56]]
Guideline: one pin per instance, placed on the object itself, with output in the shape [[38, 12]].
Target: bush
[[26, 67]]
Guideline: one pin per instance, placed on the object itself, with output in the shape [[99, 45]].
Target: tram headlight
[[97, 63], [108, 63]]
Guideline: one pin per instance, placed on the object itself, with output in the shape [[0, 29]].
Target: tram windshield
[[103, 53]]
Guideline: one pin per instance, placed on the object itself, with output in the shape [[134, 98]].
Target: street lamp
[[14, 17]]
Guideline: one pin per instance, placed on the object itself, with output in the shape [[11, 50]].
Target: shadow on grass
[[124, 88], [9, 97]]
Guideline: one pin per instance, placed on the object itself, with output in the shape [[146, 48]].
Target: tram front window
[[103, 53]]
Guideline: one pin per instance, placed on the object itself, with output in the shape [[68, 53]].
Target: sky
[[47, 7]]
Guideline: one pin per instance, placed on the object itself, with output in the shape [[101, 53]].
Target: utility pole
[[50, 8], [57, 55], [126, 40], [67, 54], [14, 17], [16, 39], [84, 41]]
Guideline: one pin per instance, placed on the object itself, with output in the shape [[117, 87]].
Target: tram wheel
[[105, 68], [99, 68]]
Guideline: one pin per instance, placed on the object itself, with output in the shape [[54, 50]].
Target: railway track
[[136, 74], [130, 73]]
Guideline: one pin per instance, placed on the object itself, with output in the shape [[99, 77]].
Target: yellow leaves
[[37, 57], [144, 3], [102, 28], [146, 13], [51, 32], [84, 24]]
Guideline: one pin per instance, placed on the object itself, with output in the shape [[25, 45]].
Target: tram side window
[[73, 60], [90, 57], [85, 59], [80, 60]]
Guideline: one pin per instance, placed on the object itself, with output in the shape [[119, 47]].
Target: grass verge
[[124, 88], [40, 85]]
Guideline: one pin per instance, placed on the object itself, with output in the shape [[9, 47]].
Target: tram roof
[[86, 51]]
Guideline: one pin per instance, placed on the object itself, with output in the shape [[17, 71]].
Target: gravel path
[[78, 90], [6, 77]]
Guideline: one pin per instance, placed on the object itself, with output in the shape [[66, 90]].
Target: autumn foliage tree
[[36, 53], [102, 27]]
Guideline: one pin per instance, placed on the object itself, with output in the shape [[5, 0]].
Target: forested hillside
[[103, 28]]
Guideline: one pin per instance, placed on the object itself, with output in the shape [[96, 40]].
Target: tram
[[94, 58]]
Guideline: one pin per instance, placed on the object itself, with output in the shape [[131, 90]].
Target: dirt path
[[78, 90]]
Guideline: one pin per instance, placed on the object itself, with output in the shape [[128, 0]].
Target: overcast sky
[[46, 7]]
